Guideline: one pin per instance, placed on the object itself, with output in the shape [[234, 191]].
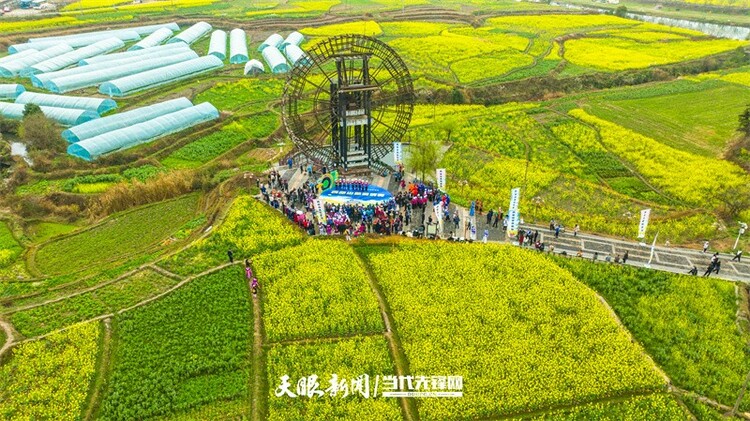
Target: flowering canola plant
[[523, 333], [316, 289], [49, 378]]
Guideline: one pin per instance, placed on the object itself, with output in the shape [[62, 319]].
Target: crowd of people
[[396, 216]]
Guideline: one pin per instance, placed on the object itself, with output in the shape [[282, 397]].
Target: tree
[[40, 133], [423, 155], [621, 11], [734, 199], [31, 109], [446, 125]]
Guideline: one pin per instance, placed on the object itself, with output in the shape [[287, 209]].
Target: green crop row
[[187, 349]]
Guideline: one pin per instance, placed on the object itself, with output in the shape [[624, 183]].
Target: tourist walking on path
[[231, 256], [520, 238], [737, 256], [709, 270], [255, 286], [705, 246], [557, 231], [717, 266], [693, 271], [625, 257], [575, 230]]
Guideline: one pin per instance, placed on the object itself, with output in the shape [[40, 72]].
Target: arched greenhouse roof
[[17, 56], [121, 120], [275, 60], [157, 77], [156, 38], [238, 46], [64, 116], [13, 68], [295, 38], [125, 36], [192, 34], [218, 44], [98, 105], [41, 80], [91, 148], [273, 40], [79, 81], [295, 54], [254, 67], [159, 49], [73, 57], [11, 91]]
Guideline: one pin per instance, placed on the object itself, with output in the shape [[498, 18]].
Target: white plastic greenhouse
[[274, 40], [238, 46], [147, 131], [73, 57], [41, 80], [218, 44], [192, 34], [17, 56], [64, 116], [159, 49], [161, 76], [140, 30], [79, 81], [295, 55], [14, 67], [99, 105], [11, 91], [161, 35], [276, 62], [295, 38], [125, 36], [121, 120], [254, 67]]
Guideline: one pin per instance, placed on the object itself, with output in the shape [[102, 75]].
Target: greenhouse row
[[146, 131], [40, 80], [11, 91], [64, 116], [192, 34], [157, 38], [218, 44], [271, 50], [73, 57], [238, 46], [111, 72], [121, 120], [157, 77], [13, 68], [98, 105], [88, 38]]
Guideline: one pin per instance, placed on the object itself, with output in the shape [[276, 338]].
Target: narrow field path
[[258, 396], [9, 338], [101, 373], [709, 402], [140, 304], [408, 405]]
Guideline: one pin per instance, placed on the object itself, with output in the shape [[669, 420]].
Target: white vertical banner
[[319, 211], [398, 152], [513, 216], [439, 215], [441, 178], [645, 214]]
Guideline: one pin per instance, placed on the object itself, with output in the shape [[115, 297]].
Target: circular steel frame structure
[[348, 102]]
